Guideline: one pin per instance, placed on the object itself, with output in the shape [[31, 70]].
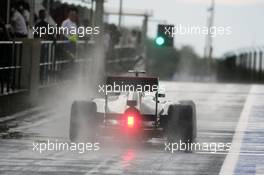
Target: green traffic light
[[160, 41]]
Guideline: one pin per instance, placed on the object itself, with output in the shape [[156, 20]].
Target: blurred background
[[40, 77], [129, 31]]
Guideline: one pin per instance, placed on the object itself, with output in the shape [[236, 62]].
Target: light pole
[[208, 50], [120, 14], [31, 18]]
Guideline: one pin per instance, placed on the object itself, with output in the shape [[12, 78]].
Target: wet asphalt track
[[218, 111]]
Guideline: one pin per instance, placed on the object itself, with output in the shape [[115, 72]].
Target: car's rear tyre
[[188, 121], [181, 125], [83, 121], [172, 123]]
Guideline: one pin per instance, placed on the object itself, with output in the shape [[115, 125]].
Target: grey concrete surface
[[218, 110]]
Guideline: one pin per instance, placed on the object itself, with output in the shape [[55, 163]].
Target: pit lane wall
[[243, 65], [33, 71]]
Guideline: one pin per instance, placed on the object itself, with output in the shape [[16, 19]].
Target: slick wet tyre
[[187, 121], [181, 125], [172, 123], [83, 121]]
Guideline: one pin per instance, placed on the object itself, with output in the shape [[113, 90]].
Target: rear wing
[[126, 83]]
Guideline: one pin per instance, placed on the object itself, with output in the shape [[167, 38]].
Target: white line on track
[[234, 154], [231, 159]]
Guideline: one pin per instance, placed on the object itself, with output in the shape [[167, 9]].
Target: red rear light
[[130, 121], [132, 118]]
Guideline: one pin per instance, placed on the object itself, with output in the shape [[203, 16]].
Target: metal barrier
[[10, 66], [122, 58], [60, 59], [248, 63]]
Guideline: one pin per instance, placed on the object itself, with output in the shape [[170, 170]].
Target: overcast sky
[[245, 17]]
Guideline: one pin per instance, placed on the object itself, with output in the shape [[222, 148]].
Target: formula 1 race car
[[132, 107]]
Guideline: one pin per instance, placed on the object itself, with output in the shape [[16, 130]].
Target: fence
[[10, 66], [29, 68], [60, 59], [246, 64]]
